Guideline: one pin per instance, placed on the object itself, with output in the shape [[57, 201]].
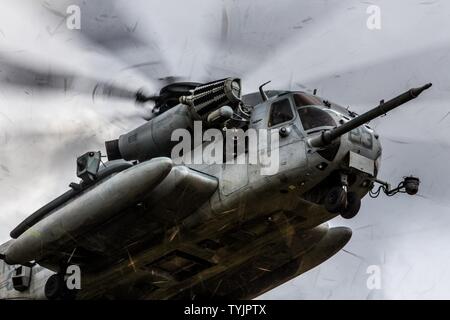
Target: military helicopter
[[194, 230], [148, 225]]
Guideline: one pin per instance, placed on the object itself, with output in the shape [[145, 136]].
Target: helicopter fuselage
[[211, 219], [304, 176]]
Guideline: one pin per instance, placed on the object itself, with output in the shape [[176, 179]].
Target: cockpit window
[[313, 117], [280, 112], [302, 100]]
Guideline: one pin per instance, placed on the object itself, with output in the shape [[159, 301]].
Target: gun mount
[[328, 136]]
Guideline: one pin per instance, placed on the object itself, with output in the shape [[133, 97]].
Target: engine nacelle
[[152, 139]]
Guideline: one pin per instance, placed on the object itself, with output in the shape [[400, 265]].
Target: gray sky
[[296, 44]]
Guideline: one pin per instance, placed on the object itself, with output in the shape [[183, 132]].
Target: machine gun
[[328, 136]]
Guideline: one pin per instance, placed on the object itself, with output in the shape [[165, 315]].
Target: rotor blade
[[363, 86], [17, 74], [373, 81], [251, 32], [109, 27]]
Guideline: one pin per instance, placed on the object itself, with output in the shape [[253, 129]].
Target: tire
[[335, 200], [353, 206], [54, 287]]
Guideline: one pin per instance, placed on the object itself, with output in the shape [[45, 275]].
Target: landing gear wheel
[[353, 206], [54, 287], [335, 200]]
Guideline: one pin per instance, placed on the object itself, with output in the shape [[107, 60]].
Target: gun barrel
[[328, 136]]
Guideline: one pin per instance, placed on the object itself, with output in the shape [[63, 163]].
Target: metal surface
[[361, 163], [91, 208]]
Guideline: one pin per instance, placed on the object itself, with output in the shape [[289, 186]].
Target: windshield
[[302, 100], [313, 117]]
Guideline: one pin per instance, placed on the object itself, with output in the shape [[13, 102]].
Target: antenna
[[261, 91]]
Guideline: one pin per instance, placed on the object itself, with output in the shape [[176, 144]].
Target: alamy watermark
[[73, 277], [374, 279], [73, 17], [374, 19], [232, 146]]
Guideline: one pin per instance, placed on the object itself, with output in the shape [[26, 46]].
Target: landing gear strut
[[339, 200], [336, 200]]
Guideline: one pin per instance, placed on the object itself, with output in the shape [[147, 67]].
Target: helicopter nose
[[364, 137], [364, 142]]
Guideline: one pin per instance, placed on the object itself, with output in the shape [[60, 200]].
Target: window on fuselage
[[313, 117], [280, 112], [302, 100]]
